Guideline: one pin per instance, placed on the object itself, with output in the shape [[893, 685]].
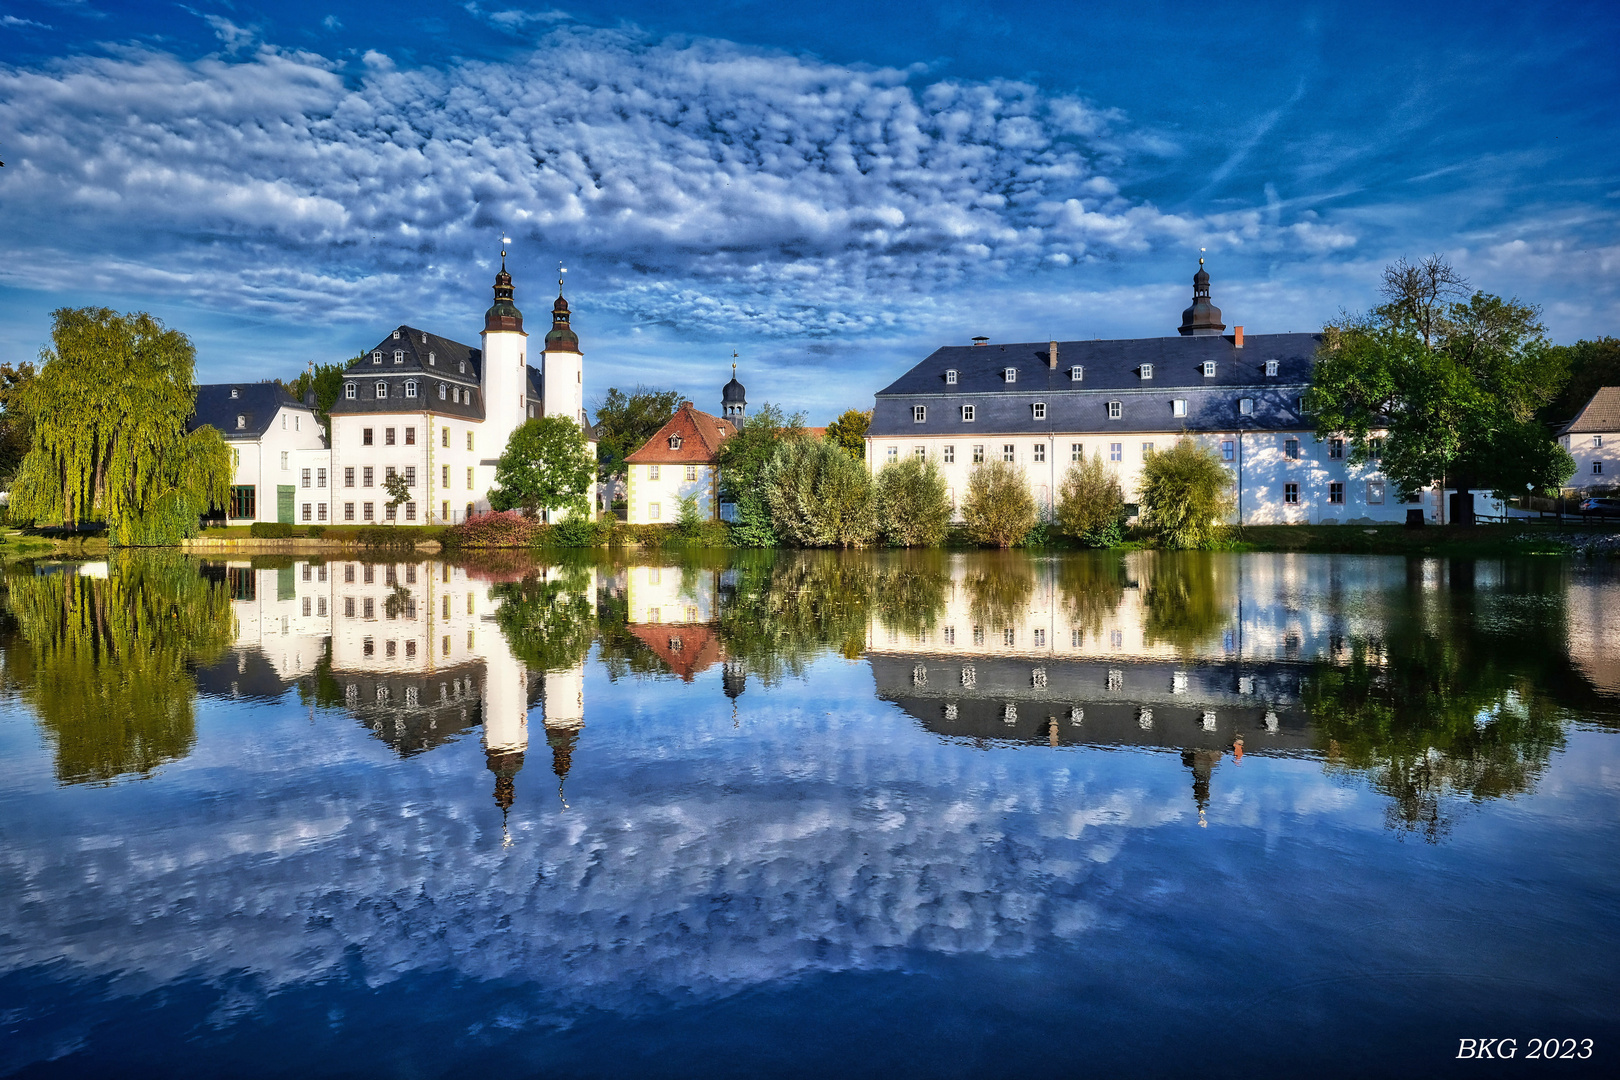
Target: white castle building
[[417, 404]]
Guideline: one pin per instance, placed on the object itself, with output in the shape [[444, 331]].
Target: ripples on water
[[915, 815]]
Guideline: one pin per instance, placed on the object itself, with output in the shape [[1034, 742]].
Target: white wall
[[258, 462], [667, 491], [1590, 449]]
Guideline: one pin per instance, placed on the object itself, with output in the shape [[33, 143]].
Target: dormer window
[[1010, 374], [967, 414], [1115, 410], [463, 367], [399, 356], [950, 377], [376, 357], [432, 360], [1271, 369], [1146, 371], [919, 414], [1039, 409], [674, 442], [235, 393], [1076, 373], [396, 335], [441, 391], [1178, 407], [410, 387], [1209, 369], [348, 391], [1246, 406], [382, 389], [241, 421]]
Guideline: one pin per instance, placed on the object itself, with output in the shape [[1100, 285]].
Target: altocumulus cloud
[[706, 184]]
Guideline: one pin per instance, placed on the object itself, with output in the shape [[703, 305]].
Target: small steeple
[[503, 315], [1203, 319], [733, 398], [561, 337]]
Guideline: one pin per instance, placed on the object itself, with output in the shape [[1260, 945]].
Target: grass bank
[[1460, 542]]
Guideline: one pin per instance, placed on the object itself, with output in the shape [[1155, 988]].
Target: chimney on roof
[[686, 404], [1051, 356], [1237, 337], [981, 340]]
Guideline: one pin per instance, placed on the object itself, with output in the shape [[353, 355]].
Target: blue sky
[[830, 190]]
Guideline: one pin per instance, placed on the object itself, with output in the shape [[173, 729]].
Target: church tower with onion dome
[[1203, 319], [505, 369], [563, 372]]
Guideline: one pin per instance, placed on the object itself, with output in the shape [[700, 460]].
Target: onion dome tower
[[1203, 319], [733, 398], [503, 315], [561, 337]]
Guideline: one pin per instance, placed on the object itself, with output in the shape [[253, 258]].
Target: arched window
[[410, 387], [348, 391], [382, 389], [441, 392], [463, 366], [432, 360]]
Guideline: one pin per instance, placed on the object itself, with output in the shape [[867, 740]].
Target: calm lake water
[[808, 815]]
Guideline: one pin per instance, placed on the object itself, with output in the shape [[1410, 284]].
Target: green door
[[285, 493]]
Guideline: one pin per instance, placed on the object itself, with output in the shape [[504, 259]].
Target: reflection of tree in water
[[1452, 703], [108, 663], [785, 609], [1186, 599], [547, 618], [1092, 585], [908, 589], [999, 585]]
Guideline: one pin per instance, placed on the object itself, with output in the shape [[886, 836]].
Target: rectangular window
[[1597, 468], [390, 512], [949, 455], [368, 511], [894, 454], [369, 573], [308, 512], [444, 438], [410, 388], [348, 391], [469, 478], [444, 481], [1246, 406], [1116, 451], [320, 606], [1040, 639], [1010, 374], [444, 507], [950, 635], [1040, 452], [1009, 637], [920, 452], [348, 573], [388, 436], [950, 377], [1335, 448], [691, 472], [1271, 368], [1291, 449], [919, 414], [978, 635], [1597, 440], [410, 436], [1375, 493], [1009, 452], [365, 436], [348, 607], [1077, 452], [410, 476], [285, 462], [1039, 409], [1178, 407], [655, 511], [1375, 449], [348, 511], [367, 476], [1077, 373], [369, 608], [469, 440], [320, 512], [1147, 371], [1147, 450], [348, 476], [978, 454], [410, 511], [320, 478], [1115, 410], [1336, 493], [1209, 369], [389, 472], [967, 414], [652, 473], [382, 390], [303, 478], [1290, 493], [243, 501], [444, 645]]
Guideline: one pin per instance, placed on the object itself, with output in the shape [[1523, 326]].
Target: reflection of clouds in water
[[695, 860]]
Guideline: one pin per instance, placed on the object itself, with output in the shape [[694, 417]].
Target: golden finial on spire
[[561, 270]]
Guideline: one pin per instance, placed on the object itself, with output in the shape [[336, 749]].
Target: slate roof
[[1601, 415], [701, 436], [416, 348], [1112, 372], [255, 403]]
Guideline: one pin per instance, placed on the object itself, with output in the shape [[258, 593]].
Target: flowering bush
[[501, 529]]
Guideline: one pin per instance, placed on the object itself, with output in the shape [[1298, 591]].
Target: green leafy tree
[[912, 502], [819, 496], [110, 407], [1451, 387], [1591, 365], [327, 382], [1091, 506], [398, 493], [849, 432], [1186, 600], [624, 423], [742, 460], [16, 426], [998, 510], [546, 467], [108, 662], [1186, 495]]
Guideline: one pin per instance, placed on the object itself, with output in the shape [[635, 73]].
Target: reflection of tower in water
[[565, 718], [1202, 763]]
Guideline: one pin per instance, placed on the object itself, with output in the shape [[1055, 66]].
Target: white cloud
[[12, 20]]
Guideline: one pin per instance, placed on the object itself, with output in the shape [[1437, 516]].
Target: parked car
[[1600, 506]]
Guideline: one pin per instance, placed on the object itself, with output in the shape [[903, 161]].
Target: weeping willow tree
[[109, 408], [108, 662]]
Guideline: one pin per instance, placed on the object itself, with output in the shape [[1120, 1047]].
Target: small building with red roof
[[679, 462]]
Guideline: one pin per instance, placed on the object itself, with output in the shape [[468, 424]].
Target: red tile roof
[[686, 648], [1602, 413], [700, 434]]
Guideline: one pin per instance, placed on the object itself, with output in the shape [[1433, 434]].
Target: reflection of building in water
[[411, 649], [1594, 631]]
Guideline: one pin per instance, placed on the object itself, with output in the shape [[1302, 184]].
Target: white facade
[[1597, 459], [656, 490], [272, 463]]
